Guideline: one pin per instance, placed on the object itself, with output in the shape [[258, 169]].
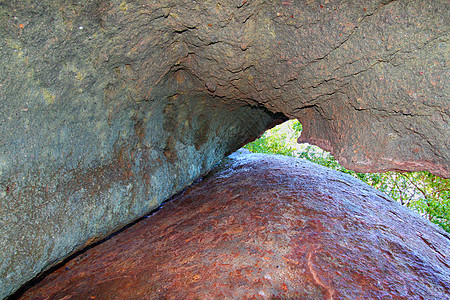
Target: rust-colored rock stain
[[265, 227]]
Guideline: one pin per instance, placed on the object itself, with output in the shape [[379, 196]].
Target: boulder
[[265, 227], [108, 108]]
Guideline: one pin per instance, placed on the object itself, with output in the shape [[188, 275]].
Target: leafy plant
[[423, 192]]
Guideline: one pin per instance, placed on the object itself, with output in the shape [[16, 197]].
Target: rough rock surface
[[109, 107], [266, 227], [100, 177]]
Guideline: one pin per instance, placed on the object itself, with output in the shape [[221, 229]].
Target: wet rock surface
[[265, 227]]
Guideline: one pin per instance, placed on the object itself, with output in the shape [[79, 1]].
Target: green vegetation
[[423, 192]]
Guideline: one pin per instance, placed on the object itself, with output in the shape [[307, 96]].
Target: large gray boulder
[[107, 108]]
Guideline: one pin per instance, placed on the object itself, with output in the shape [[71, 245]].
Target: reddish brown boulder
[[266, 227]]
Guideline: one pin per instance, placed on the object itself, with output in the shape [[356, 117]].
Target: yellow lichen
[[49, 97], [123, 6]]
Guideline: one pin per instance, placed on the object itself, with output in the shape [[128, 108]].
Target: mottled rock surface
[[109, 107], [266, 227], [103, 174]]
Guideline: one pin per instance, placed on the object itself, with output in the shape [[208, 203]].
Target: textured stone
[[109, 107], [367, 79], [266, 227], [148, 152]]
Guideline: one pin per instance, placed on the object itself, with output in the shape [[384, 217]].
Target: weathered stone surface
[[78, 167], [109, 107], [148, 152], [266, 227], [367, 79]]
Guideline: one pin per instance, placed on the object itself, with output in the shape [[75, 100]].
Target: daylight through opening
[[423, 192]]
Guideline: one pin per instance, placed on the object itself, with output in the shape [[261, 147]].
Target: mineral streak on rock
[[107, 108], [266, 227]]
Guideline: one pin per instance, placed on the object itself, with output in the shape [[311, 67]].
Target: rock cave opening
[[108, 108], [264, 226]]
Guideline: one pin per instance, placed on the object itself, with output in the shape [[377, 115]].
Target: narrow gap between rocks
[[80, 253], [414, 190]]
